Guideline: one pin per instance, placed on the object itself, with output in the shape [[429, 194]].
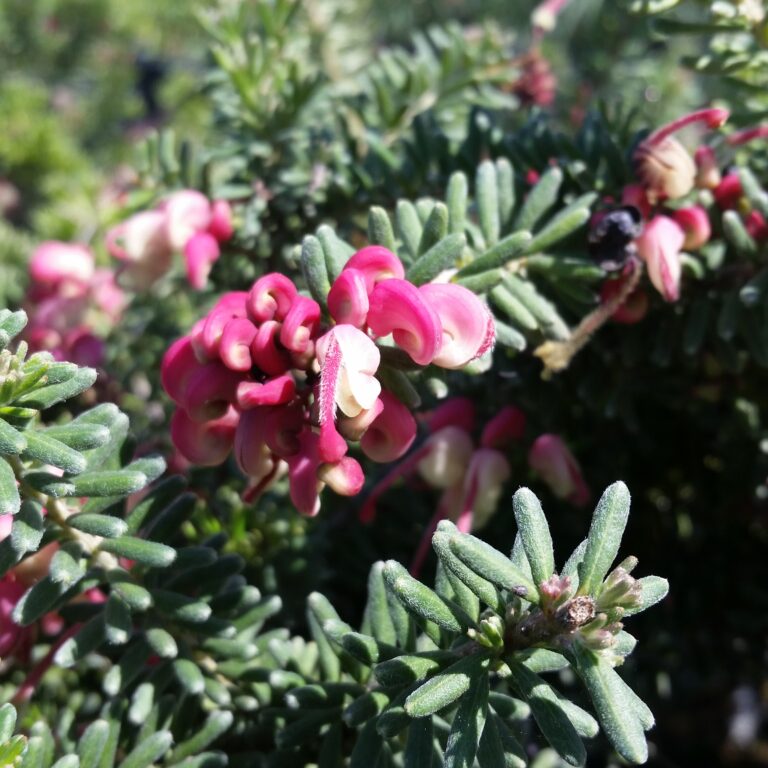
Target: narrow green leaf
[[540, 199], [180, 607], [509, 337], [137, 597], [410, 668], [10, 501], [737, 235], [368, 747], [189, 675], [481, 283], [495, 753], [604, 537], [365, 648], [80, 437], [545, 313], [148, 751], [314, 269], [107, 483], [142, 701], [446, 687], [508, 707], [422, 602], [443, 255], [37, 601], [505, 178], [614, 708], [545, 707], [98, 525], [513, 308], [11, 441], [499, 255], [92, 743], [336, 251], [540, 660], [64, 568], [435, 228], [7, 722], [486, 193], [68, 761], [148, 553], [376, 609], [118, 623], [408, 227], [306, 728], [419, 748], [27, 528], [364, 707], [563, 223], [468, 725], [655, 589], [87, 640], [14, 323], [534, 532], [45, 397], [753, 190], [217, 724], [456, 198], [380, 228]]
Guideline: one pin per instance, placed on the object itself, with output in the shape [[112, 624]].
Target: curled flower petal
[[200, 253], [392, 433], [209, 391], [659, 246], [230, 306], [206, 443], [467, 324], [186, 213], [447, 457], [299, 324], [283, 426], [251, 451], [551, 458], [344, 477], [271, 297], [353, 427], [303, 482], [376, 263], [397, 307], [141, 242], [454, 412], [53, 263], [694, 221], [267, 352], [235, 344], [506, 426], [707, 168], [277, 391], [348, 298], [179, 363], [221, 221]]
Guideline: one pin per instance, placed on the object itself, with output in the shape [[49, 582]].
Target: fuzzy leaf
[[467, 726], [314, 269], [441, 256], [563, 223], [655, 589], [217, 724], [486, 192], [498, 255], [12, 442], [534, 532], [10, 501], [45, 397], [98, 525], [380, 228], [148, 751], [91, 745], [540, 199]]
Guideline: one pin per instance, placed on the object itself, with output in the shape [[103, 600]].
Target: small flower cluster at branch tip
[[553, 461], [537, 83], [185, 222], [70, 303], [263, 374]]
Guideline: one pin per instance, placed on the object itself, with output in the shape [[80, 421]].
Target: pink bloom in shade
[[282, 429], [348, 298], [353, 427], [376, 263], [54, 264], [454, 412], [235, 344], [487, 472], [141, 242], [467, 324], [201, 251], [300, 324], [756, 226], [251, 451], [108, 296], [659, 246], [392, 433], [179, 363], [728, 192], [209, 391], [506, 426], [344, 477], [267, 352], [398, 307], [635, 306], [271, 297], [277, 391], [221, 221], [207, 443], [446, 456], [551, 459], [348, 362], [84, 348], [694, 221], [185, 213], [304, 485]]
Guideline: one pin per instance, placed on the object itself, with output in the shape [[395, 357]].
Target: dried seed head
[[575, 613]]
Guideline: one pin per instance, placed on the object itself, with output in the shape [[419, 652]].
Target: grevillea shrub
[[283, 407]]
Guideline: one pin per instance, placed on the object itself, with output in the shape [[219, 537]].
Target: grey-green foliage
[[433, 671]]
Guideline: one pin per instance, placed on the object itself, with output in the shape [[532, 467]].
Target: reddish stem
[[714, 118]]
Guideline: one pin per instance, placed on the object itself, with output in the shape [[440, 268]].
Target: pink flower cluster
[[264, 374], [185, 222], [69, 301]]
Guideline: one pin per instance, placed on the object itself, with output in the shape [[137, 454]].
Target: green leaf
[[368, 747], [408, 227], [87, 640], [419, 747], [654, 590], [498, 255], [180, 607], [148, 751], [380, 228], [13, 323], [422, 602], [456, 198], [492, 565], [564, 223], [544, 312], [534, 532], [571, 567], [50, 451], [446, 687], [91, 745], [604, 537], [545, 707], [11, 751], [486, 192], [435, 228], [737, 235], [37, 601], [216, 725], [45, 397], [441, 256], [148, 553], [162, 643], [467, 726], [28, 528], [68, 761], [64, 568], [137, 597], [11, 441], [98, 525], [314, 269], [614, 708], [118, 623], [540, 199], [410, 668], [10, 501], [80, 437], [505, 177], [541, 660], [336, 251], [365, 648], [495, 753], [7, 722], [107, 483], [189, 676], [364, 707]]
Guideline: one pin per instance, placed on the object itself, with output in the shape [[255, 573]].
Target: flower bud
[[551, 458], [659, 246]]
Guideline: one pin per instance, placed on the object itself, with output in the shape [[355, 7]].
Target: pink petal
[[447, 456], [229, 306], [179, 363], [299, 324], [54, 262], [251, 452], [205, 444], [551, 458], [200, 253], [348, 298], [353, 427], [376, 264], [235, 344], [267, 352], [454, 412], [277, 391], [506, 426], [392, 432], [467, 324], [345, 477], [659, 246], [397, 307], [209, 391], [186, 213], [302, 475], [221, 221], [694, 221], [271, 297]]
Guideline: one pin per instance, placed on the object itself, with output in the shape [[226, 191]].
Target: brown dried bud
[[575, 613]]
